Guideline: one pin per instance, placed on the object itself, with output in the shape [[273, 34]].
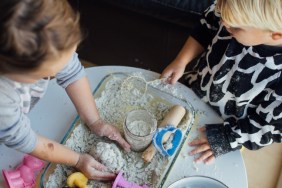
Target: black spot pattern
[[242, 84]]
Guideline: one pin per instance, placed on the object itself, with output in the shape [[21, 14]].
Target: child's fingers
[[199, 149], [174, 78], [168, 80], [103, 176], [202, 129], [95, 164], [198, 141], [210, 159], [113, 134], [124, 144], [204, 156], [171, 77], [166, 74]]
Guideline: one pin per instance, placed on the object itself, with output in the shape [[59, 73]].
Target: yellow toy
[[77, 179]]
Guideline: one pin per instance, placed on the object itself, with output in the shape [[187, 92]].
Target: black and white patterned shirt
[[243, 84]]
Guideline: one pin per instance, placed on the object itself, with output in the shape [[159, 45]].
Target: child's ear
[[276, 35]]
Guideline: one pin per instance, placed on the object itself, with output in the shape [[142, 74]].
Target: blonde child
[[38, 40], [238, 74]]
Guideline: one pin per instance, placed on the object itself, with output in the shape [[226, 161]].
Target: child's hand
[[203, 147], [93, 169], [103, 128], [173, 72]]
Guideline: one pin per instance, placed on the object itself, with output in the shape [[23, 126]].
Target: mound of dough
[[109, 155]]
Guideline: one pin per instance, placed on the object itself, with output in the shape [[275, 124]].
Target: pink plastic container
[[121, 182], [24, 175]]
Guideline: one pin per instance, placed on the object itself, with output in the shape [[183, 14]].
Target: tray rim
[[175, 156]]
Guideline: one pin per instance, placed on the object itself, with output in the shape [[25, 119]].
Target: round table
[[53, 115]]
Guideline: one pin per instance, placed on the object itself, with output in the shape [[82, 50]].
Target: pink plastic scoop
[[121, 182]]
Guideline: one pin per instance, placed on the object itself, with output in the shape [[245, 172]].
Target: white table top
[[53, 115]]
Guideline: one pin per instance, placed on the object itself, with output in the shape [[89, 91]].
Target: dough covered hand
[[102, 128], [93, 169]]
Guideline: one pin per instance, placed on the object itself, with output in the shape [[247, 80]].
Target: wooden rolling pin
[[173, 118]]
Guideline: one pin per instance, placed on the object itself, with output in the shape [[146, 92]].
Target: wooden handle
[[173, 118]]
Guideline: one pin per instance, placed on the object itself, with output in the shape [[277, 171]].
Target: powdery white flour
[[113, 105], [139, 128], [109, 155]]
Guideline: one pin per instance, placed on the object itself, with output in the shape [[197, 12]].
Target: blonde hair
[[33, 31], [261, 14]]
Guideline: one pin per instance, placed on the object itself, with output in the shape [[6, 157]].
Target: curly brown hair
[[35, 30]]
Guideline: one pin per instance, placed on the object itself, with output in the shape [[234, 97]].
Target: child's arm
[[81, 95], [262, 127], [176, 68], [16, 133], [52, 151], [199, 40], [73, 79]]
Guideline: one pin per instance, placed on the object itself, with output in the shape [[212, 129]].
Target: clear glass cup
[[139, 128]]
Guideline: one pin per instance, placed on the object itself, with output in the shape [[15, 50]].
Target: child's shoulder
[[7, 91]]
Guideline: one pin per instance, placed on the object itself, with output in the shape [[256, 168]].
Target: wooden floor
[[264, 166]]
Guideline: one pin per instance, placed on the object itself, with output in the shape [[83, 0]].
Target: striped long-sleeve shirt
[[17, 99]]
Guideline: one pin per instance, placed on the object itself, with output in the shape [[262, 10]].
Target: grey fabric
[[17, 99]]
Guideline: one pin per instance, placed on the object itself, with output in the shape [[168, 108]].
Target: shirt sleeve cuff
[[72, 72], [27, 145], [217, 139]]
